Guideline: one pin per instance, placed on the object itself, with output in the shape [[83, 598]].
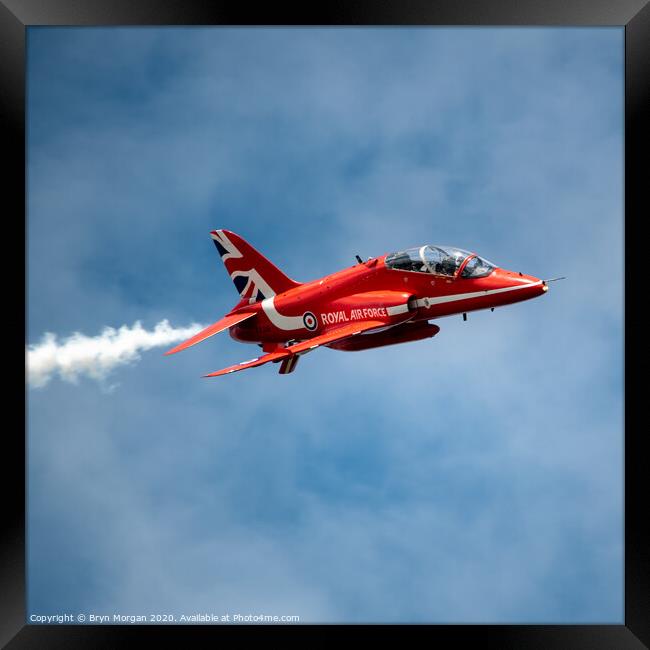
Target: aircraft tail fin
[[254, 276]]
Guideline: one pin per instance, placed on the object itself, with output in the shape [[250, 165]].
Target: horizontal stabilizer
[[304, 346], [215, 328]]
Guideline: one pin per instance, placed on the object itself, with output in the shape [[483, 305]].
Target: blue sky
[[473, 477]]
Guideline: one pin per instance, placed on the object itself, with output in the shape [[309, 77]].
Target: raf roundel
[[310, 321]]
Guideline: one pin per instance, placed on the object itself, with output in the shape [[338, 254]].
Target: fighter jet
[[385, 300]]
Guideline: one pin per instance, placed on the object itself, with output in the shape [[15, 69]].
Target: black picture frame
[[17, 15]]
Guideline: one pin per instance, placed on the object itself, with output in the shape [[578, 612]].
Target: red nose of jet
[[523, 286]]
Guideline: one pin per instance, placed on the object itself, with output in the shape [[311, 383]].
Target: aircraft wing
[[304, 346], [215, 328]]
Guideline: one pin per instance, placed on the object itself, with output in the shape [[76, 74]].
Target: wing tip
[[219, 373], [180, 347]]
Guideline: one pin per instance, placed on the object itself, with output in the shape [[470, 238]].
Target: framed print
[[447, 190]]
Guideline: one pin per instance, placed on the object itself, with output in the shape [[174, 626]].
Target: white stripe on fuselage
[[280, 321], [296, 322], [397, 309], [436, 300]]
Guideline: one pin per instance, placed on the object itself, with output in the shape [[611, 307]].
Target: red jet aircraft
[[383, 301]]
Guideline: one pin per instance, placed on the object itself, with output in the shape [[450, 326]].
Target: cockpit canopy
[[440, 260]]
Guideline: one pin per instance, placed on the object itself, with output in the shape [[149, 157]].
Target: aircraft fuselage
[[354, 294]]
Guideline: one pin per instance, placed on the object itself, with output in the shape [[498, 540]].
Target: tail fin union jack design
[[254, 276]]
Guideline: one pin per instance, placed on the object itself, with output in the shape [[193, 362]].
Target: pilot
[[449, 266]]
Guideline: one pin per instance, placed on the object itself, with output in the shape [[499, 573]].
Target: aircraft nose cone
[[530, 285], [537, 286]]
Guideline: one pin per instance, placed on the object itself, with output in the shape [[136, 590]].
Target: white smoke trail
[[96, 356]]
